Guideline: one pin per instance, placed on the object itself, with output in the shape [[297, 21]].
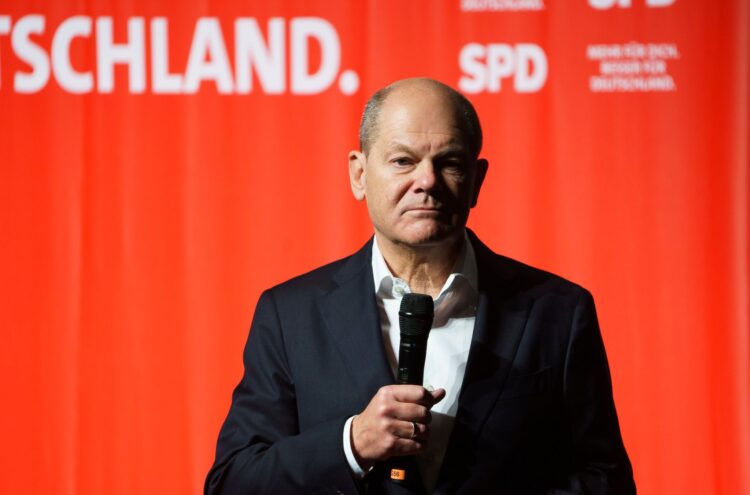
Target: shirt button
[[400, 287]]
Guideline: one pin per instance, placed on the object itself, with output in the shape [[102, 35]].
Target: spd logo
[[484, 67]]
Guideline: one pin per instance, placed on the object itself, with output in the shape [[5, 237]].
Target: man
[[517, 395]]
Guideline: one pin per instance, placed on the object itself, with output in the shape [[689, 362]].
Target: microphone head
[[415, 315]]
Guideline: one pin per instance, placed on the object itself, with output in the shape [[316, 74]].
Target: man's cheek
[[397, 193]]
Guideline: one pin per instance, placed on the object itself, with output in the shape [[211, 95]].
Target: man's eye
[[401, 161], [452, 165]]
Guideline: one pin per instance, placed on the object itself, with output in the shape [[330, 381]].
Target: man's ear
[[357, 174], [481, 173]]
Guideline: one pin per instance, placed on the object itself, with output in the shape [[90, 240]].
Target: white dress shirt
[[447, 348]]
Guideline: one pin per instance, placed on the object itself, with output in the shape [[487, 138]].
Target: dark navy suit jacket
[[535, 412]]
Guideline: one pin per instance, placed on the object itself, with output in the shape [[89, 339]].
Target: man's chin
[[431, 237]]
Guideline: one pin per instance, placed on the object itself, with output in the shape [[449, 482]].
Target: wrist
[[358, 467], [365, 464]]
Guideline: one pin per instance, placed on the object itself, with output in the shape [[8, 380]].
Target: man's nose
[[426, 178]]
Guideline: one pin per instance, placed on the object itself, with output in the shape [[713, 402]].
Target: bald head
[[465, 115]]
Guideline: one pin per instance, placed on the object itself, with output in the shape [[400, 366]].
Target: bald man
[[517, 395]]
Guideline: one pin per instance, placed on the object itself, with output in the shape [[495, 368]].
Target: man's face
[[419, 177]]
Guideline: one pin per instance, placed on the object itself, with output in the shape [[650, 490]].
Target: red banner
[[162, 163]]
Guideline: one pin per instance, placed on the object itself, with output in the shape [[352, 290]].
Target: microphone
[[415, 321]]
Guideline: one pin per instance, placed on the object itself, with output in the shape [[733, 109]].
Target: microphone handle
[[411, 358]]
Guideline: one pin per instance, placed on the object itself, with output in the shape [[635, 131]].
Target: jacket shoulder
[[497, 269], [325, 278]]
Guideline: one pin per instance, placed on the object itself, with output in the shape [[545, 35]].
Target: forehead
[[419, 119]]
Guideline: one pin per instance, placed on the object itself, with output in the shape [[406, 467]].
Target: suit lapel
[[352, 320], [351, 317], [498, 328]]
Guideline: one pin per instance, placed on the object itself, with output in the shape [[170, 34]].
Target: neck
[[424, 268]]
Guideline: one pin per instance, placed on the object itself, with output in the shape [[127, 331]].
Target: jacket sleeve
[[602, 464], [261, 449]]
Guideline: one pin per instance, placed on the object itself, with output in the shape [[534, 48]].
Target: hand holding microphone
[[395, 422]]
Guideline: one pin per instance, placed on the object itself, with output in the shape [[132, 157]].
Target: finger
[[410, 430], [409, 393], [420, 431], [431, 397], [416, 394], [438, 395], [403, 446], [411, 412]]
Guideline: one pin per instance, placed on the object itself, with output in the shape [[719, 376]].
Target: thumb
[[437, 395]]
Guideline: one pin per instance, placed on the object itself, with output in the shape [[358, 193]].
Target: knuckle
[[384, 424], [389, 441]]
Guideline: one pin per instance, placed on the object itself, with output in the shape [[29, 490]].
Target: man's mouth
[[424, 210]]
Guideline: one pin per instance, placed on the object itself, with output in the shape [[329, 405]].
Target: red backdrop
[[161, 163]]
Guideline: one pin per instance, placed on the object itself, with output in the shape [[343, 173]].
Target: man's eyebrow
[[396, 147], [449, 149], [452, 150]]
